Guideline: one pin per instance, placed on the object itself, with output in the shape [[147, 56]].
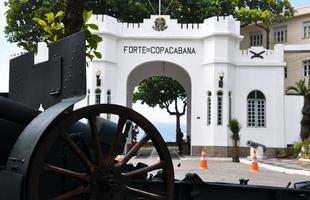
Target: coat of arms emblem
[[160, 24]]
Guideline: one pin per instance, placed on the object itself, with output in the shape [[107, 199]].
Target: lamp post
[[98, 80], [108, 102], [221, 77], [98, 84]]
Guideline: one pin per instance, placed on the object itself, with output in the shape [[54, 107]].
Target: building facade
[[295, 31], [221, 81]]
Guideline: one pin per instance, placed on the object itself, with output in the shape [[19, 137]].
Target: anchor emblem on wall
[[160, 24]]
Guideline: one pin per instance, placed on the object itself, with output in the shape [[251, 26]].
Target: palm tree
[[300, 88], [235, 127]]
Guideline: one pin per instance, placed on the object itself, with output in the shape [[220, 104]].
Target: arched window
[[229, 105], [209, 108], [98, 96], [256, 109], [219, 108]]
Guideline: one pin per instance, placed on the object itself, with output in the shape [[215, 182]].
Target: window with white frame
[[209, 108], [280, 34], [256, 112], [306, 67], [306, 29], [219, 108], [256, 38]]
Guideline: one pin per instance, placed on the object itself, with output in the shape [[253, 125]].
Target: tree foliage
[[234, 127], [92, 40], [300, 88], [186, 11], [264, 13], [163, 92], [54, 29], [22, 30], [26, 34], [52, 26]]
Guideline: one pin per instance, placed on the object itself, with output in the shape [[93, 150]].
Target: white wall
[[293, 106], [216, 43], [265, 80]]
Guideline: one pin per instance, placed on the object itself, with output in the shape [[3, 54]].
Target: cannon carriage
[[65, 153], [62, 153]]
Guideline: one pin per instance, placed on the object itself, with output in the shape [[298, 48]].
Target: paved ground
[[288, 163], [223, 170]]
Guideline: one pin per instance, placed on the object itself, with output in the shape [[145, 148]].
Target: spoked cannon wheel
[[65, 167]]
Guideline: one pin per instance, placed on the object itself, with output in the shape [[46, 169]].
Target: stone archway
[[161, 68]]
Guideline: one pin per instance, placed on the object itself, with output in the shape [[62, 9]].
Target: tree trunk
[[73, 19], [179, 134], [235, 152], [305, 121], [267, 39]]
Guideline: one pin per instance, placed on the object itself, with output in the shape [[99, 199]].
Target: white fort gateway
[[221, 82]]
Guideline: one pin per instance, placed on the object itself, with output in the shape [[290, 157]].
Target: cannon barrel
[[14, 117], [255, 145], [16, 112]]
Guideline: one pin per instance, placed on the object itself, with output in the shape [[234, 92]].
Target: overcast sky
[[8, 49]]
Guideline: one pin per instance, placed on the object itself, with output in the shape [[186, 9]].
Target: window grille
[[280, 34], [306, 29], [306, 67], [256, 109], [209, 108], [219, 108], [97, 96], [229, 105], [256, 38]]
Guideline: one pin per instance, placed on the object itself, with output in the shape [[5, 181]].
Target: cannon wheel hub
[[105, 182]]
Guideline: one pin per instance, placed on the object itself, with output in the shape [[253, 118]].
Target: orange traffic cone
[[203, 161], [254, 165]]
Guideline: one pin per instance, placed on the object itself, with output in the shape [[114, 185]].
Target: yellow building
[[294, 31]]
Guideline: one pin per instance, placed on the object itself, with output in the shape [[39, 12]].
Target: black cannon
[[255, 145], [64, 153]]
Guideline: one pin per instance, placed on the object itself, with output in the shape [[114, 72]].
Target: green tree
[[264, 14], [54, 29], [26, 33], [186, 11], [235, 127], [22, 30], [52, 26], [300, 88], [163, 92]]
